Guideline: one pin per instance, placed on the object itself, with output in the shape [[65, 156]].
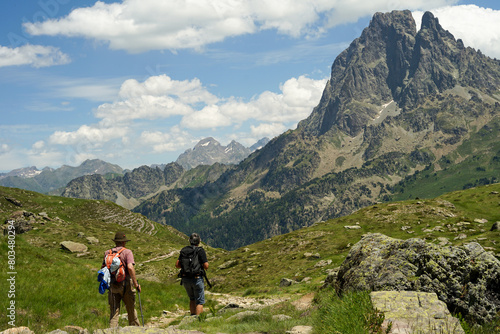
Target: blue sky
[[138, 82]]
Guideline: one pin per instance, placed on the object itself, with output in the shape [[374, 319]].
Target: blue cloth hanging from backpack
[[104, 277]]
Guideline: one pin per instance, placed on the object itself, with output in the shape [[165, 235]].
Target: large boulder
[[74, 247], [466, 278], [415, 312]]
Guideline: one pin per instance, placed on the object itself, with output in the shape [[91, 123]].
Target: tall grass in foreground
[[492, 327], [353, 313]]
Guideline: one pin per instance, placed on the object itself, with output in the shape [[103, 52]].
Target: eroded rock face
[[466, 278]]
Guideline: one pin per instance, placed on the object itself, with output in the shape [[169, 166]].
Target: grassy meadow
[[55, 288]]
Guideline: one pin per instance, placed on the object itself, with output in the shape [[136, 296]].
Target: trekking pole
[[140, 305]]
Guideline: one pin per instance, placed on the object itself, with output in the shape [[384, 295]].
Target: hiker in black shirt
[[193, 282]]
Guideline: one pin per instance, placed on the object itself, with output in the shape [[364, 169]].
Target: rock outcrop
[[466, 278], [415, 312]]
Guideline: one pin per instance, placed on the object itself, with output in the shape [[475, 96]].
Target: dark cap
[[120, 237]]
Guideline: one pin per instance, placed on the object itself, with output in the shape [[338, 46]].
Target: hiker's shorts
[[195, 289]]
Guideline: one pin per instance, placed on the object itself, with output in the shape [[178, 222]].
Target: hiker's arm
[[178, 264], [205, 265], [131, 272]]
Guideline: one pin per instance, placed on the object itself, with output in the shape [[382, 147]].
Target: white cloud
[[39, 145], [297, 99], [206, 118], [157, 97], [91, 136], [142, 25], [134, 122], [166, 142], [160, 97], [33, 55], [269, 130], [4, 148], [477, 27]]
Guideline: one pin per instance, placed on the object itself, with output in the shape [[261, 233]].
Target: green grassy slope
[[259, 267], [54, 288], [476, 162]]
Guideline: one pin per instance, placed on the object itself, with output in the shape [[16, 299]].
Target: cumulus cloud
[[477, 27], [297, 99], [161, 101], [157, 97], [267, 130], [166, 141], [160, 97], [33, 55], [92, 136], [142, 25]]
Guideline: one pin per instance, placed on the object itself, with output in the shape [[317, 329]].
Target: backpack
[[189, 261], [115, 265]]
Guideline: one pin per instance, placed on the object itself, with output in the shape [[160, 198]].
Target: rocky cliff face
[[130, 189], [124, 190], [391, 61]]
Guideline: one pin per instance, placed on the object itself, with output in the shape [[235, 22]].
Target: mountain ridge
[[209, 151], [50, 179]]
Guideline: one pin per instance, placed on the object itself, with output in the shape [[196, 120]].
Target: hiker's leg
[[114, 300], [129, 300], [189, 285], [192, 307], [200, 295]]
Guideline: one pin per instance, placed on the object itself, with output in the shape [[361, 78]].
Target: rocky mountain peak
[[391, 61], [209, 151], [206, 142]]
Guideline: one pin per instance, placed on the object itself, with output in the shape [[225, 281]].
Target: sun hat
[[120, 237]]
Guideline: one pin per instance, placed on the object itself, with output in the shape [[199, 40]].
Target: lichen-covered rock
[[466, 278], [415, 312]]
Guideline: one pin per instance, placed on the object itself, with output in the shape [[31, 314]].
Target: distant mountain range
[[209, 151], [48, 180], [205, 163]]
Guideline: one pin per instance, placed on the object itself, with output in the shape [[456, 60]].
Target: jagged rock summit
[[393, 63], [209, 151]]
